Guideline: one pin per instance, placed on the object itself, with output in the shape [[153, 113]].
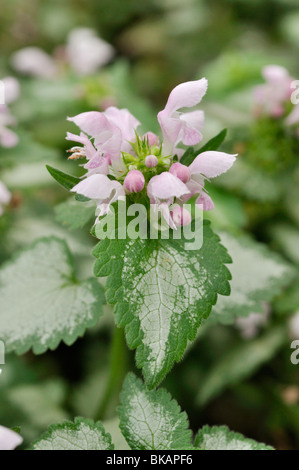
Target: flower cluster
[[274, 97], [120, 162]]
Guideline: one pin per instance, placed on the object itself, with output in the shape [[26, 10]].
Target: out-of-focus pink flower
[[293, 117], [134, 181], [86, 52], [101, 189], [5, 197], [10, 91], [9, 439], [271, 98], [34, 62], [249, 326], [178, 126]]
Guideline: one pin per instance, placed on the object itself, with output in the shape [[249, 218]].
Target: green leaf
[[221, 438], [258, 275], [41, 301], [240, 363], [151, 419], [83, 434], [73, 214], [161, 293], [67, 181], [213, 144]]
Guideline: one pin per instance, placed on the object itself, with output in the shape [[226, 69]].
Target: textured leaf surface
[[83, 434], [41, 301], [258, 275], [74, 214], [67, 181], [240, 363], [150, 419], [221, 438], [161, 293]]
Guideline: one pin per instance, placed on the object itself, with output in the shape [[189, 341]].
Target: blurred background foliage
[[248, 384]]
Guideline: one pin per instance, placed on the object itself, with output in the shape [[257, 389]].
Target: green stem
[[118, 365]]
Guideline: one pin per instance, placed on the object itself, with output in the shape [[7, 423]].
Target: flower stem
[[117, 370]]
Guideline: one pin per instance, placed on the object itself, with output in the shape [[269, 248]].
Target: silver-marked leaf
[[240, 363], [83, 434], [221, 438], [42, 303], [151, 419], [161, 293], [258, 275]]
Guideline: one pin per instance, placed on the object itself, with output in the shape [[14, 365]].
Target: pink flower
[[182, 127], [207, 165], [9, 439], [35, 62], [103, 190], [180, 171], [86, 52], [271, 97], [152, 138], [162, 190], [111, 132], [134, 181], [180, 216], [5, 197]]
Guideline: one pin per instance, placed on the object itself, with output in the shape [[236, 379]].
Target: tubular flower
[[120, 162]]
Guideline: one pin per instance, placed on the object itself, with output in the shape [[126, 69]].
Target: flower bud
[[151, 161], [180, 171], [134, 181], [153, 139], [180, 216]]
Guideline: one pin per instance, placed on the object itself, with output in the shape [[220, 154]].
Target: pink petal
[[5, 195], [124, 120], [205, 200], [166, 186], [9, 439], [92, 123], [12, 89], [83, 139], [212, 164], [275, 73], [97, 187], [8, 138], [194, 123], [186, 95]]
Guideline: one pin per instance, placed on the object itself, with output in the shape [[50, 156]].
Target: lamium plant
[[164, 290]]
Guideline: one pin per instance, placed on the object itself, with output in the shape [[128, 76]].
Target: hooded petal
[[166, 186], [84, 140], [92, 122], [186, 95], [212, 164], [9, 439], [124, 120]]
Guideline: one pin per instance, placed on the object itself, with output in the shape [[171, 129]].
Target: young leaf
[[74, 214], [221, 438], [83, 434], [67, 181], [239, 363], [258, 275], [213, 144], [161, 293], [151, 419], [41, 301]]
